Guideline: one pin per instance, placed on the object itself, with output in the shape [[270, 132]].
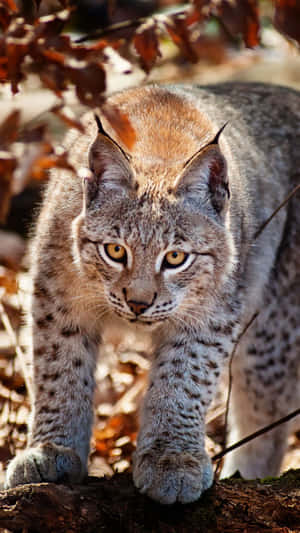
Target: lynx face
[[153, 257]]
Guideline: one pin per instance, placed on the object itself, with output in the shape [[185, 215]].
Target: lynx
[[160, 238]]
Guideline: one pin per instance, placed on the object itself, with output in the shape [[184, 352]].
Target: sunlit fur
[[174, 188], [148, 230]]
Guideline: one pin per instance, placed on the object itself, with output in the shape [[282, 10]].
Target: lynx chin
[[159, 238]]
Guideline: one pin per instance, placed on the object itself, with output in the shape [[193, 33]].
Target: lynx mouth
[[140, 321]]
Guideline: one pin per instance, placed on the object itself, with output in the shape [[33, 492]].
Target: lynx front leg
[[170, 463], [64, 361]]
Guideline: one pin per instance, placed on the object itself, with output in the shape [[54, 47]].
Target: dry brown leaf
[[287, 18], [89, 83], [241, 17], [9, 129], [8, 280], [67, 116], [54, 56], [43, 164], [10, 4], [53, 77], [146, 44], [3, 67], [8, 164], [50, 25], [16, 53], [178, 29], [5, 17], [116, 440]]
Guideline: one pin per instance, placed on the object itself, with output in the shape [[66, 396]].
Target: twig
[[267, 428], [127, 24], [219, 411], [10, 331], [13, 338], [256, 434], [111, 29], [247, 326], [285, 201]]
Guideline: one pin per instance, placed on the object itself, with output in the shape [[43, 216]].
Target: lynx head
[[153, 238]]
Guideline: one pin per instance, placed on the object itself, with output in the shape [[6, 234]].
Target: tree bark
[[115, 506]]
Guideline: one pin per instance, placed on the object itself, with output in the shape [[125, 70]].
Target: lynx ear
[[109, 165], [204, 179]]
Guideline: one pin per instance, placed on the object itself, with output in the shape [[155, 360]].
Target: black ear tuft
[[102, 131], [109, 168], [214, 141], [99, 126], [217, 136], [204, 180]]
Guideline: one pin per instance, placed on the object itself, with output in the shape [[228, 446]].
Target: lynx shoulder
[[160, 237]]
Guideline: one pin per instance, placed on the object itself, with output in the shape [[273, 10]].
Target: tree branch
[[257, 433], [282, 420], [112, 29], [230, 377], [126, 24], [267, 222]]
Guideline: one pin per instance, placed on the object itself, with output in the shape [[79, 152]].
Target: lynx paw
[[47, 462], [172, 477]]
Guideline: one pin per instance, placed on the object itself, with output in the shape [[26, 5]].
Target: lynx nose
[[138, 307]]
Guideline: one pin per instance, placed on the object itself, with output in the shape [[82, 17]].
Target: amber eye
[[174, 259], [116, 252]]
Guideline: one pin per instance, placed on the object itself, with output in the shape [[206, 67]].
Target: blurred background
[[58, 59]]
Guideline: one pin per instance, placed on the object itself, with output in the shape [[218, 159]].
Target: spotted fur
[[179, 187]]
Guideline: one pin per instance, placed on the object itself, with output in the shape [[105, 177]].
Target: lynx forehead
[[160, 236], [168, 126], [156, 161]]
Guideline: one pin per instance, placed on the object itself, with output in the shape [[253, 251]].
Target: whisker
[[179, 319]]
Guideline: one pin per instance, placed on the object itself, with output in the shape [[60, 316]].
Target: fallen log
[[115, 506]]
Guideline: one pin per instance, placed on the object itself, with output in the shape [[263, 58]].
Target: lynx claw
[[172, 477], [46, 462]]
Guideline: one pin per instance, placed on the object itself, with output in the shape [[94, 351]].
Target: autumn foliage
[[42, 47]]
